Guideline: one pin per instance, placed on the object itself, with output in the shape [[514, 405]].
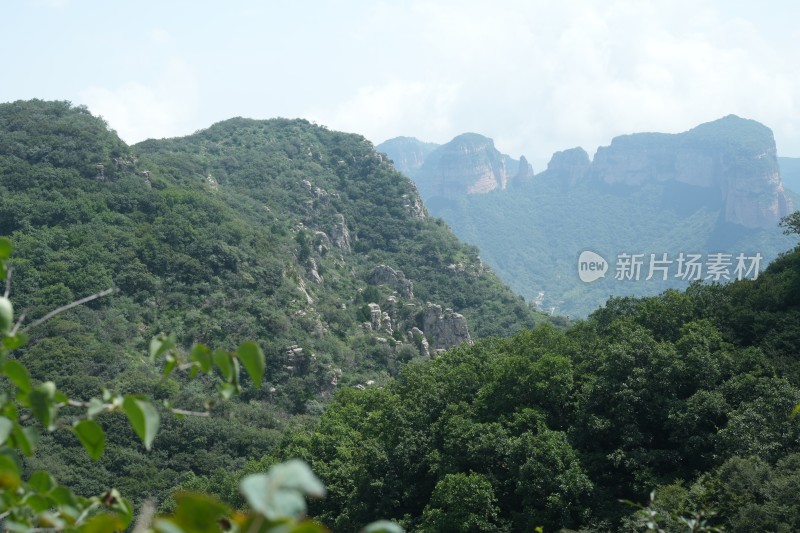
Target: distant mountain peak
[[407, 153], [737, 156]]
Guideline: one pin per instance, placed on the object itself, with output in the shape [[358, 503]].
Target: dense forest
[[237, 233], [688, 394]]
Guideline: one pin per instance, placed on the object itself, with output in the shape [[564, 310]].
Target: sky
[[537, 76]]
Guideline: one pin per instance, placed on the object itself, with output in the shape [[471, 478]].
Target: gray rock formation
[[569, 166], [469, 164], [375, 316], [386, 275], [311, 272], [322, 243], [524, 172], [417, 338], [413, 204], [733, 157], [445, 329], [386, 323], [340, 235]]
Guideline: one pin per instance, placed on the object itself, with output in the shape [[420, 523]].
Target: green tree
[[462, 503]]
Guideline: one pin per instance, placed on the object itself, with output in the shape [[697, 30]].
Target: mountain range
[[715, 189]]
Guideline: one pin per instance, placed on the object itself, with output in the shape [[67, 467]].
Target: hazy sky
[[536, 76]]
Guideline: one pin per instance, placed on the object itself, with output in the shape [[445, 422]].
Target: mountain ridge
[[714, 188], [271, 231]]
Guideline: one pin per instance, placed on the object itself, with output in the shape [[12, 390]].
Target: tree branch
[[8, 281], [63, 308]]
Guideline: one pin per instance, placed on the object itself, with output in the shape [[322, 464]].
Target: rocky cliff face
[[732, 160], [468, 164], [524, 172], [734, 157], [569, 167]]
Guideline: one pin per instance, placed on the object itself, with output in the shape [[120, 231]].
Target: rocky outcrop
[[386, 275], [445, 328], [569, 166], [733, 157], [322, 242], [469, 164], [417, 338], [413, 204], [386, 323], [375, 316], [524, 171], [312, 273], [340, 235]]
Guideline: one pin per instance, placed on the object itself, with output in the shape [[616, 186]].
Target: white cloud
[[544, 76], [380, 112], [139, 110]]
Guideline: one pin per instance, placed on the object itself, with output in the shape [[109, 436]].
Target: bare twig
[[63, 308], [146, 514], [16, 326], [190, 413], [8, 281]]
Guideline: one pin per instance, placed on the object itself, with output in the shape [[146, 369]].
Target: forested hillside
[[281, 232], [688, 393]]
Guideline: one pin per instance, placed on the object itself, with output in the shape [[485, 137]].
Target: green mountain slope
[[688, 393], [274, 231]]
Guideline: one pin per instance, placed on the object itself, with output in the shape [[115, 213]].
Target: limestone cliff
[[569, 166], [734, 157], [469, 164]]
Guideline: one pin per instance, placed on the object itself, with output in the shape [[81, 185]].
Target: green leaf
[[36, 502], [253, 359], [226, 390], [18, 375], [199, 513], [5, 247], [91, 436], [224, 362], [103, 523], [201, 355], [12, 342], [160, 344], [25, 438], [6, 425], [143, 417], [9, 472], [42, 482], [170, 366], [43, 404], [281, 492], [382, 526]]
